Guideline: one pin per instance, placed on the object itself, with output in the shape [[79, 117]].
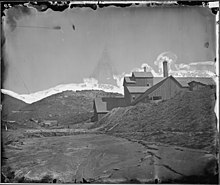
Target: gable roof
[[142, 74], [204, 80], [197, 83], [153, 88], [137, 89], [101, 107], [184, 81]]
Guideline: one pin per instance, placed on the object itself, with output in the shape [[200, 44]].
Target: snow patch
[[89, 84]]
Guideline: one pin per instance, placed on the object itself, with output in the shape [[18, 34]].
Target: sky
[[91, 43]]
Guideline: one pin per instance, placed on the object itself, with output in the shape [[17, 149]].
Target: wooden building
[[136, 85], [185, 81], [100, 109], [196, 85], [143, 87], [103, 105], [132, 93], [165, 89]]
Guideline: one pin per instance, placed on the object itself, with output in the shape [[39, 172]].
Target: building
[[100, 109], [102, 106], [185, 81], [196, 85], [136, 85], [164, 90], [143, 87]]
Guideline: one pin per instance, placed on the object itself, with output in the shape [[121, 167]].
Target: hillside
[[68, 108], [187, 120], [10, 104]]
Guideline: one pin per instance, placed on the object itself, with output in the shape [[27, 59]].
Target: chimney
[[165, 70], [145, 69]]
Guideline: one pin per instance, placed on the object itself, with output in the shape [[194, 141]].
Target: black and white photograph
[[110, 92]]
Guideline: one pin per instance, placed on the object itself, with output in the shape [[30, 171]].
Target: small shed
[[100, 109], [194, 85]]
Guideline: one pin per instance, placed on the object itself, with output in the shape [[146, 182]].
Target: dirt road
[[103, 158]]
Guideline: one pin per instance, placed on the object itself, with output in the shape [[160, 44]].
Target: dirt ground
[[98, 158], [187, 120], [129, 145]]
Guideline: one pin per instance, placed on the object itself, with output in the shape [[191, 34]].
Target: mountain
[[67, 108], [10, 104], [187, 120], [87, 85]]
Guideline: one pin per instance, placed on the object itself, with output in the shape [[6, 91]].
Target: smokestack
[[165, 70], [145, 69]]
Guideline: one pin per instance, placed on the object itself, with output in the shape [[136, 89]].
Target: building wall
[[127, 96], [185, 89], [134, 96], [167, 90], [144, 82], [95, 115], [130, 84], [196, 86], [141, 82], [113, 102]]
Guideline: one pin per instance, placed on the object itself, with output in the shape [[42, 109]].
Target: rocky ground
[[170, 142]]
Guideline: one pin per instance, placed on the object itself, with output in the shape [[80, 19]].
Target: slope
[[10, 104], [67, 108], [187, 120]]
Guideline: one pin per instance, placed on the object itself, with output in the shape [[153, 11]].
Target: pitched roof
[[157, 80], [142, 74], [197, 83], [101, 107], [129, 80], [153, 88], [185, 80], [137, 89]]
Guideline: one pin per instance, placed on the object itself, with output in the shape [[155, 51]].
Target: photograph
[[108, 92]]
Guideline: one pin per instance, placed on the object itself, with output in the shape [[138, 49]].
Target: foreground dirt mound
[[187, 120]]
